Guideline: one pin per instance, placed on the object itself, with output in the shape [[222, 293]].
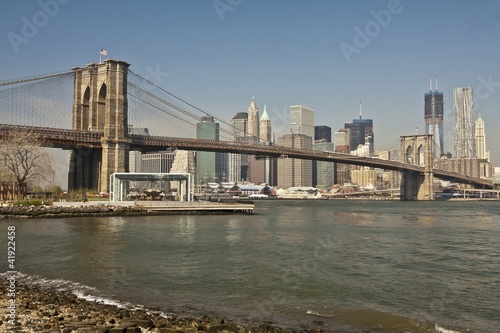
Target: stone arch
[[409, 155], [421, 155], [101, 107], [85, 108]]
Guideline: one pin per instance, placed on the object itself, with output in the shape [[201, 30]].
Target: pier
[[172, 207]]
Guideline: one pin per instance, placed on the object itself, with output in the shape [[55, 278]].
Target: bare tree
[[23, 160]]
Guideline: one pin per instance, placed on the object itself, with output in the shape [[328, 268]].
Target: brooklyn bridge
[[108, 97]]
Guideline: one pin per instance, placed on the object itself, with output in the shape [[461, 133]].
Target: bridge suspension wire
[[393, 146], [161, 110], [225, 129], [44, 101], [187, 113], [161, 106], [34, 78]]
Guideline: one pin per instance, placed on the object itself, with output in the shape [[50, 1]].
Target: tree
[[23, 159]]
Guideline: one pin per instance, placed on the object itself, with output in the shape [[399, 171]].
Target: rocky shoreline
[[99, 210], [9, 212], [52, 311]]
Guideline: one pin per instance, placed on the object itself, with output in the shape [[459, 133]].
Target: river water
[[356, 266]]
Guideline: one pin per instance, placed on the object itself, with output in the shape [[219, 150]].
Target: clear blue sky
[[219, 53]]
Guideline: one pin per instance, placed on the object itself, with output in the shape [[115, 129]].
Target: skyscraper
[[302, 120], [323, 133], [361, 132], [253, 121], [294, 172], [482, 153], [323, 172], [433, 116], [266, 134], [237, 165], [262, 168], [463, 129], [207, 162]]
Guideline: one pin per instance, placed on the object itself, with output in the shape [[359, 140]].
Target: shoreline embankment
[[126, 208]]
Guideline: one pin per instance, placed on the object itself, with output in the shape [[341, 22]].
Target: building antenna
[[436, 83], [430, 82], [360, 108]]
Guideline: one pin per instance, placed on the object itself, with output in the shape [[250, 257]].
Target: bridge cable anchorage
[[204, 113], [34, 78]]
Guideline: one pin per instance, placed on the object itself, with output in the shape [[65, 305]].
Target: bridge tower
[[100, 104], [417, 150]]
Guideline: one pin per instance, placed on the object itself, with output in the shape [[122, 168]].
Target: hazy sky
[[324, 54]]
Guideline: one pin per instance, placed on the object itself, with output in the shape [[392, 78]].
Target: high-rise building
[[207, 162], [134, 161], [324, 173], [463, 129], [266, 134], [294, 172], [253, 121], [433, 116], [323, 133], [302, 120], [237, 166], [482, 153], [239, 124], [135, 156], [341, 142], [262, 168], [365, 178], [159, 162], [361, 132]]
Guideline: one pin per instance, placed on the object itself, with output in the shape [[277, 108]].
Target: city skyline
[[320, 55]]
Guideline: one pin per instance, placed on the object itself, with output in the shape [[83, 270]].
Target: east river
[[354, 266]]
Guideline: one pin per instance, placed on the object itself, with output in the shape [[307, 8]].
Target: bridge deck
[[67, 139]]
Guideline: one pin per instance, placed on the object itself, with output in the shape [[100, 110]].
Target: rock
[[126, 324], [118, 330], [263, 328], [145, 323], [133, 330], [216, 328]]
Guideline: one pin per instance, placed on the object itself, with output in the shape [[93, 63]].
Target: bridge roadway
[[68, 139]]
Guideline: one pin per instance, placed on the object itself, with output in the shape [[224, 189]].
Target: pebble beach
[[49, 311]]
